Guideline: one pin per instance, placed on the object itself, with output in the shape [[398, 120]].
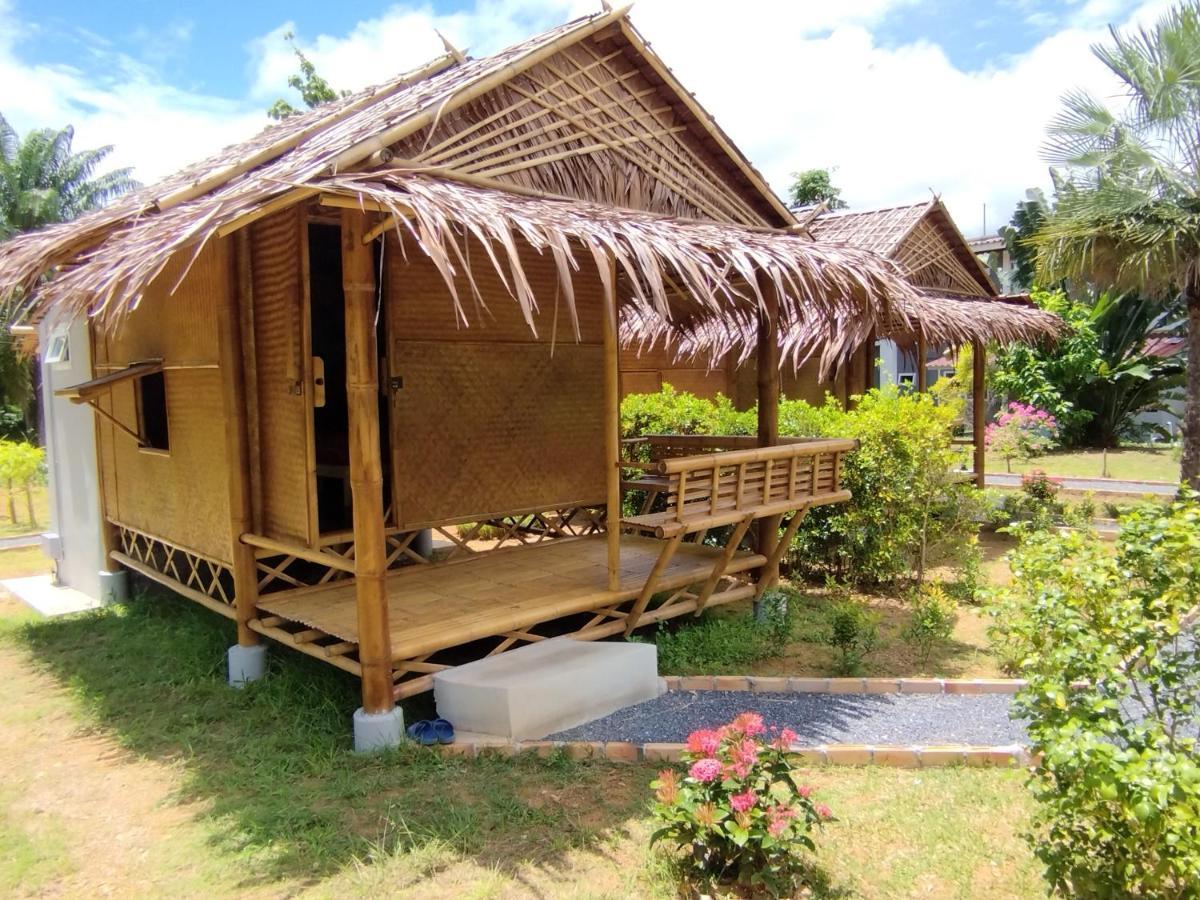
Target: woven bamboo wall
[[181, 496], [284, 410], [489, 418], [645, 372]]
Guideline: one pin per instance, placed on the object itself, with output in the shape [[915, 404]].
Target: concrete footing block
[[246, 664], [114, 587], [377, 731]]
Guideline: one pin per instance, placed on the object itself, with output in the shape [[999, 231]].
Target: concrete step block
[[536, 690]]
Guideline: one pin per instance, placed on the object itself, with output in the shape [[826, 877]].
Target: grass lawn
[[1135, 464], [131, 769]]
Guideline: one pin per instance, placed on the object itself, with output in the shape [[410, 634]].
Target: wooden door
[[284, 434]]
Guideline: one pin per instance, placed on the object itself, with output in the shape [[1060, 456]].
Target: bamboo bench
[[735, 487]]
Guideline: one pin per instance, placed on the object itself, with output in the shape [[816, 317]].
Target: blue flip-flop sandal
[[443, 731], [423, 732]]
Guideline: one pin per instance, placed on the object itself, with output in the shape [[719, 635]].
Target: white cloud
[[154, 127], [795, 85]]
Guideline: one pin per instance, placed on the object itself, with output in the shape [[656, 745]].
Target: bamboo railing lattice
[[192, 570]]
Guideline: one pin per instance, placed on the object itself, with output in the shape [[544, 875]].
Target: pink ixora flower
[[823, 811], [786, 738], [749, 724], [778, 817], [705, 770], [743, 801], [805, 791], [703, 741]]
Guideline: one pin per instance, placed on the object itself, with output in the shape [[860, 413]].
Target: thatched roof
[[922, 237]]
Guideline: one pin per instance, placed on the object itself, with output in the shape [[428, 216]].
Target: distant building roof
[[987, 243], [922, 237], [1164, 346]]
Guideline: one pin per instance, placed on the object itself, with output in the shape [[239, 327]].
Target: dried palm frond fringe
[[941, 318], [675, 274]]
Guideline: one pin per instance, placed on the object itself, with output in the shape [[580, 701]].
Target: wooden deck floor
[[439, 606]]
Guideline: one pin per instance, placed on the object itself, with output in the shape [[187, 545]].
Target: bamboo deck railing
[[720, 488], [731, 487]]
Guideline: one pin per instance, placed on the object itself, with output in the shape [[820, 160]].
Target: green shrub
[[1112, 702], [854, 631], [739, 812], [932, 622], [726, 644], [908, 507]]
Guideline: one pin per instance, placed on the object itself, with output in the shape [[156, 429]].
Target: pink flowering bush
[[739, 811], [1021, 431]]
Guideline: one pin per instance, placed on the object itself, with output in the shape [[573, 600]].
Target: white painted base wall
[[70, 435]]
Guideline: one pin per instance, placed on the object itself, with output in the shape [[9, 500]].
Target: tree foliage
[[313, 89], [1112, 701], [814, 186], [1128, 212], [44, 181], [1097, 378]]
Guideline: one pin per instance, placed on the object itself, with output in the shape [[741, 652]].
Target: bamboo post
[[612, 430], [768, 414], [978, 409], [237, 448], [922, 374], [366, 465]]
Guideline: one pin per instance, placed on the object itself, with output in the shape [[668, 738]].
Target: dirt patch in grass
[[964, 655]]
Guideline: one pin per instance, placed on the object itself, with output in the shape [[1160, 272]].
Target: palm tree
[[1128, 215], [43, 182]]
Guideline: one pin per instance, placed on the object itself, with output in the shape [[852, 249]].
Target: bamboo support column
[[922, 373], [237, 442], [979, 409], [366, 465], [768, 414], [612, 430]]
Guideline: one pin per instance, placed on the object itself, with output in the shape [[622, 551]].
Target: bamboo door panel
[[482, 427], [282, 341]]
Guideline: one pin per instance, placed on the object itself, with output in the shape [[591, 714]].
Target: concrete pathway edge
[[770, 684], [916, 756]]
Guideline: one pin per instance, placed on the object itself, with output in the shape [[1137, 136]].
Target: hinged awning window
[[89, 390]]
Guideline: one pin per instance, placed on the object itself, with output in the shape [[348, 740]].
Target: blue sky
[[903, 96]]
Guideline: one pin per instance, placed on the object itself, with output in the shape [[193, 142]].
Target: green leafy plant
[[22, 466], [854, 631], [1112, 702], [739, 812], [722, 643], [932, 621]]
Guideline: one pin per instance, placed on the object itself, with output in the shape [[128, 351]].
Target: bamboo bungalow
[[396, 316], [956, 304]]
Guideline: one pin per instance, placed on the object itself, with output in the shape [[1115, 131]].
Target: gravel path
[[816, 718]]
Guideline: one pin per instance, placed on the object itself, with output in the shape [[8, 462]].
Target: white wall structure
[[70, 434]]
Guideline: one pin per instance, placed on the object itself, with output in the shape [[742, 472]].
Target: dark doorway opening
[[331, 427]]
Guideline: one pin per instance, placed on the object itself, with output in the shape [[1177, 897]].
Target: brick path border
[[765, 684], [899, 756]]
